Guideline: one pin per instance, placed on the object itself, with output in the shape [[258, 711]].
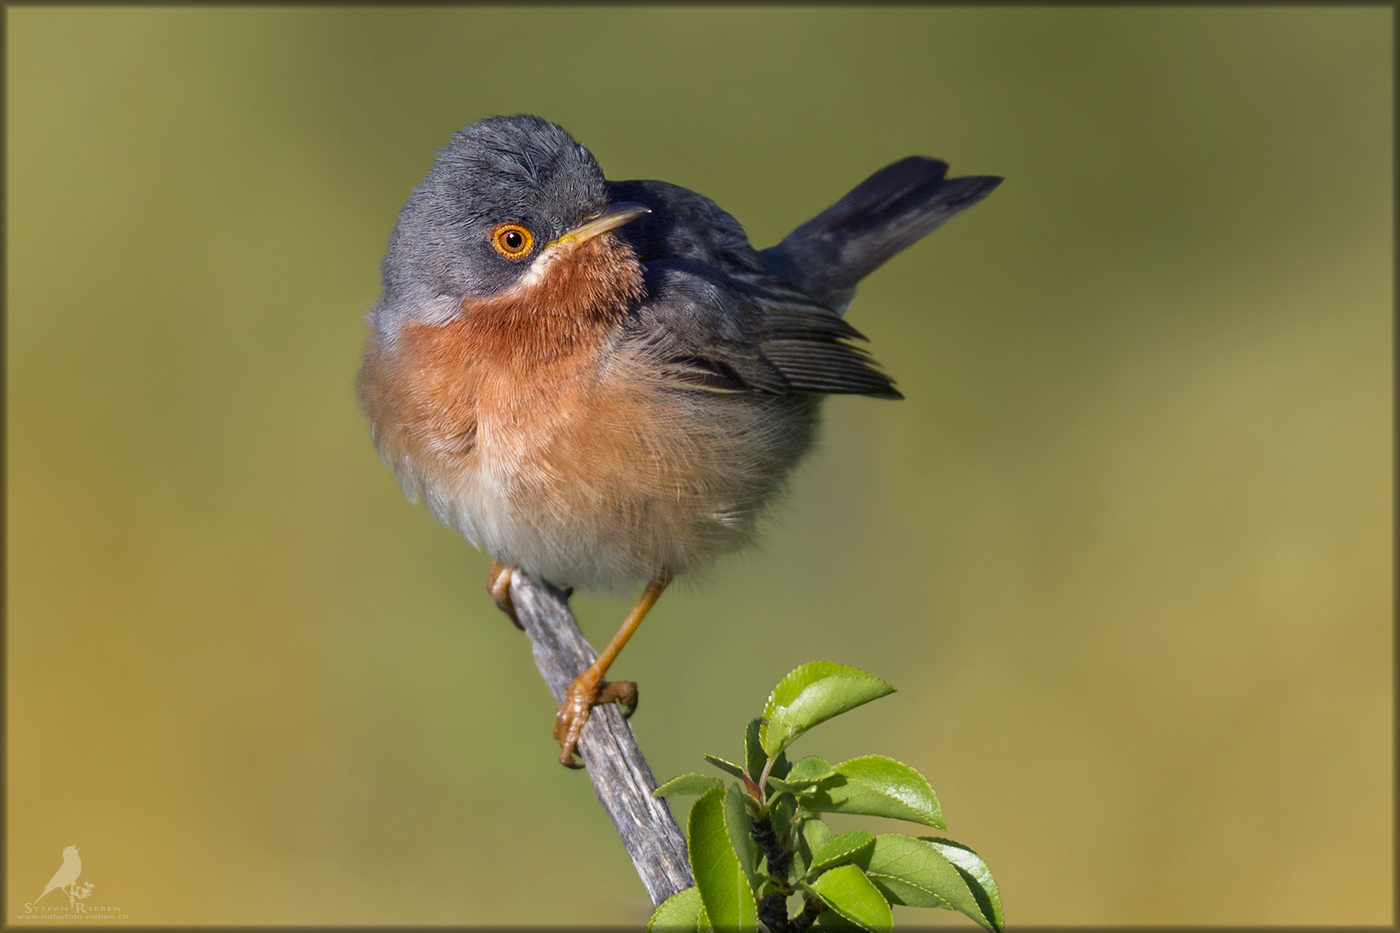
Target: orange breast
[[422, 384]]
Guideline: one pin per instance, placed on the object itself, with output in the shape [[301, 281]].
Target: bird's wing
[[724, 333], [689, 325], [715, 318]]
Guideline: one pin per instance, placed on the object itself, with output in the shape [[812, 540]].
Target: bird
[[67, 873], [603, 383]]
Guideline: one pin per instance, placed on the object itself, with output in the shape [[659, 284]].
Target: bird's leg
[[589, 689], [498, 585]]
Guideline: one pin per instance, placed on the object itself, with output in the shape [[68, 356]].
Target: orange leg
[[589, 689]]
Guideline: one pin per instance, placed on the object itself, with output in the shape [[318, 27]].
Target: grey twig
[[621, 777]]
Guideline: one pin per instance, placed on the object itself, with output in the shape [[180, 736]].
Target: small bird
[[602, 382], [67, 873]]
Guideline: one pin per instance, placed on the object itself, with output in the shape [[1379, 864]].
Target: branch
[[620, 774]]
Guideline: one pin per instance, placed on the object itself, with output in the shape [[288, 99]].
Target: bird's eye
[[512, 240]]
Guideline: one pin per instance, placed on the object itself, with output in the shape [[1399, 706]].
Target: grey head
[[456, 237]]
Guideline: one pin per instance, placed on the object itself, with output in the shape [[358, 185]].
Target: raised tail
[[887, 212]]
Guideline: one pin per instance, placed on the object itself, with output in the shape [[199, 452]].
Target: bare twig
[[621, 777]]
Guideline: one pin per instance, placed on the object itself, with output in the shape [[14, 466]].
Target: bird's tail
[[887, 212]]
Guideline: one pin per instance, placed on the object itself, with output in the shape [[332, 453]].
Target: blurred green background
[[1125, 549]]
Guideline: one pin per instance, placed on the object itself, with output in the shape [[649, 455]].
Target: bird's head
[[512, 205]]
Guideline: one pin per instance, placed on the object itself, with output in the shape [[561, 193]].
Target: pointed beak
[[611, 217]]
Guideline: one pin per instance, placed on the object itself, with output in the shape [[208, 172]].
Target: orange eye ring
[[512, 240]]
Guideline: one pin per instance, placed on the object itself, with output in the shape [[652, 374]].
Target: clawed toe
[[587, 691], [621, 692], [498, 585]]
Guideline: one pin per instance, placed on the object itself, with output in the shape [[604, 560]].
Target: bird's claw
[[587, 691], [621, 692], [572, 714], [498, 580]]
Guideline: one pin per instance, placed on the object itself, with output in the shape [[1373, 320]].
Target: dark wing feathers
[[838, 368], [794, 321], [708, 374], [698, 333], [721, 338], [808, 345], [716, 319]]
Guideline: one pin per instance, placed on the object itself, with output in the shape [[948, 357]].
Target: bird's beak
[[611, 217]]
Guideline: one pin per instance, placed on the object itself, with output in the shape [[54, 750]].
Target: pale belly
[[613, 486]]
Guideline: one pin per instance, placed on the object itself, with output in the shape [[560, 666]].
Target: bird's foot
[[498, 585], [588, 690]]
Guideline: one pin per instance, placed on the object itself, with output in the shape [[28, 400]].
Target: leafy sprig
[[760, 841]]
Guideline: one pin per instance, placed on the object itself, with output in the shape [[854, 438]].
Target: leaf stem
[[810, 912], [779, 859], [772, 912]]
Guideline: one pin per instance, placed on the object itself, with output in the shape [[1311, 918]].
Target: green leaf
[[976, 874], [840, 849], [915, 873], [724, 888], [723, 765], [739, 825], [847, 891], [803, 775], [687, 784], [702, 925], [808, 770], [815, 834], [755, 758], [781, 813], [812, 694], [680, 911], [902, 893], [754, 755], [874, 785], [831, 920], [783, 787], [810, 837]]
